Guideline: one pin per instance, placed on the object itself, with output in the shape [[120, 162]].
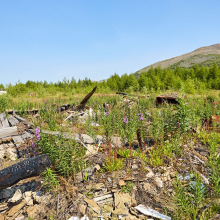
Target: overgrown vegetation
[[188, 80], [170, 127]]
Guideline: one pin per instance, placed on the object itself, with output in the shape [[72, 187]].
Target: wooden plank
[[18, 140], [12, 120], [4, 120], [7, 132], [1, 124], [27, 135]]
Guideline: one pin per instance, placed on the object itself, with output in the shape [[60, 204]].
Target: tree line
[[188, 80]]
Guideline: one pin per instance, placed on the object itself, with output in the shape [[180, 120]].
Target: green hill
[[205, 56]]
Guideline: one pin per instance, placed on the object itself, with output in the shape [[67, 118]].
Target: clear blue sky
[[51, 39]]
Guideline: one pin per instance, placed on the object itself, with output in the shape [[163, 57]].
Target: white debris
[[150, 212], [77, 218]]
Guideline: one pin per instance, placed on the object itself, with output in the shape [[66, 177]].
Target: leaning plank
[[12, 120], [7, 132], [24, 120], [4, 120], [22, 170]]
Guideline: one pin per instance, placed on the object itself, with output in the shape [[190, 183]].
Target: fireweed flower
[[141, 116], [37, 132], [107, 113], [125, 119]]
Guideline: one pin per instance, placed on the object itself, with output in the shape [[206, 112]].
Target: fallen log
[[24, 169]]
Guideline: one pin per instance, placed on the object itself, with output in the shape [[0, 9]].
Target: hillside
[[201, 56]]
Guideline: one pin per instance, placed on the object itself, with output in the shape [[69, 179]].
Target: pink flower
[[125, 119]]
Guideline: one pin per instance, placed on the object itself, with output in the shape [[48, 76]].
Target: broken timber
[[24, 169], [82, 104], [8, 132]]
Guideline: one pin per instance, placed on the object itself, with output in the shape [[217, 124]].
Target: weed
[[127, 188], [113, 164], [50, 180]]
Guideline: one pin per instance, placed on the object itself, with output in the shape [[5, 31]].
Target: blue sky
[[51, 39]]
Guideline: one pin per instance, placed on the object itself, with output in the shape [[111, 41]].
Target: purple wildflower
[[125, 119], [59, 109], [36, 153], [107, 113], [37, 132], [33, 145], [141, 116]]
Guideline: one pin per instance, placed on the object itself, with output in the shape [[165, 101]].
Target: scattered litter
[[77, 218], [150, 212]]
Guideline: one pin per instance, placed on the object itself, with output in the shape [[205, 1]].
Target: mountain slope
[[201, 56]]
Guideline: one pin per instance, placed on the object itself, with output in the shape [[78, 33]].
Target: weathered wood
[[24, 169], [18, 140], [82, 104], [27, 135], [12, 120], [4, 120], [7, 132]]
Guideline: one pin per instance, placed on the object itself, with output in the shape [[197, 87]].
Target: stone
[[7, 193], [16, 208], [28, 194], [165, 177], [29, 201], [92, 150], [120, 212], [32, 210], [134, 166], [82, 208], [16, 197], [93, 205], [149, 188], [158, 182], [150, 174], [121, 199], [37, 197], [97, 167], [121, 183]]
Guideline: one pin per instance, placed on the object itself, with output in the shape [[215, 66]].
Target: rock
[[120, 212], [121, 183], [165, 177], [93, 205], [32, 210], [134, 166], [16, 208], [7, 193], [11, 153], [87, 172], [92, 150], [149, 188], [82, 208], [16, 197], [158, 182], [37, 197], [121, 199], [97, 167], [150, 174], [28, 194], [29, 201]]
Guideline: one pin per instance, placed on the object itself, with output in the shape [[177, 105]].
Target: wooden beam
[[8, 132]]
